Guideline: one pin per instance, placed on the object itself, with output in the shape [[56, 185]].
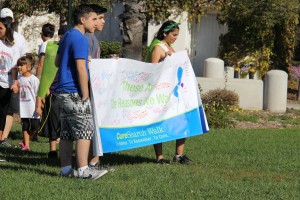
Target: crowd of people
[[54, 102]]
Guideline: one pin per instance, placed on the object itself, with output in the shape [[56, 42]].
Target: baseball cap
[[63, 29], [6, 12]]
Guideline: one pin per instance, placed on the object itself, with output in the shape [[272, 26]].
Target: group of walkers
[[54, 101]]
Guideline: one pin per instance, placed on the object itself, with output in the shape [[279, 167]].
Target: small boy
[[46, 34]]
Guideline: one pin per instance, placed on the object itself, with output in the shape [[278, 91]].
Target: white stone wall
[[31, 27], [250, 91]]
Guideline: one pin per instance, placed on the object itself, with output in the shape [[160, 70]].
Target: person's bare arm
[[158, 54], [40, 65], [38, 106], [14, 74], [82, 78]]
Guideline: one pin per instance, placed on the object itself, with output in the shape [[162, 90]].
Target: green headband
[[170, 27]]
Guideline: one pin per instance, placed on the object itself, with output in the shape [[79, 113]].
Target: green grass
[[229, 164], [247, 116]]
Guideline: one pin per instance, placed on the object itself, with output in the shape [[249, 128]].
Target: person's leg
[[5, 94], [8, 125], [82, 152], [13, 107], [179, 157], [26, 138], [158, 151], [52, 145], [53, 123], [179, 146], [65, 152]]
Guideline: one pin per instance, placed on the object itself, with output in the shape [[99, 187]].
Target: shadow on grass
[[26, 168], [121, 159], [39, 158], [16, 155], [16, 135]]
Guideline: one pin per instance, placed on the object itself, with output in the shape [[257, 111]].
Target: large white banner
[[138, 104]]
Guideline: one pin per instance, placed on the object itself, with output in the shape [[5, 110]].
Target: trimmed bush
[[217, 105], [109, 48]]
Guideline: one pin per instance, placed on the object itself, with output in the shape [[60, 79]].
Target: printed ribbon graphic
[[179, 76]]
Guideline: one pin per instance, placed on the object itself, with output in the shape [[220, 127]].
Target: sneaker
[[52, 155], [183, 159], [163, 162], [71, 173], [92, 174], [98, 166], [26, 148], [5, 143]]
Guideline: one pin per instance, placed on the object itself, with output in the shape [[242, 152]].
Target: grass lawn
[[229, 164]]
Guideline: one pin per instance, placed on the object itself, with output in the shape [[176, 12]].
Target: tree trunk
[[298, 89], [133, 21]]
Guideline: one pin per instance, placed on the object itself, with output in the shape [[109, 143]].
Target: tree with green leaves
[[29, 7], [265, 30]]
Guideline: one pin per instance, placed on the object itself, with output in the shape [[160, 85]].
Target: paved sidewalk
[[293, 105]]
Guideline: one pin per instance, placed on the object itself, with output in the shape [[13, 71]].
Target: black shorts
[[14, 104], [50, 124], [30, 125]]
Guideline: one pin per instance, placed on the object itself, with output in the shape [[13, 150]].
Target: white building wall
[[184, 39]]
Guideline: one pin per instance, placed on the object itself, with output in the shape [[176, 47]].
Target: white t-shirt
[[42, 48], [28, 88], [8, 59]]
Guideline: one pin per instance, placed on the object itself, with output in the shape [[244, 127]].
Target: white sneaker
[[92, 174]]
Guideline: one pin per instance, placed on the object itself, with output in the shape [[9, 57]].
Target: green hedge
[[108, 48]]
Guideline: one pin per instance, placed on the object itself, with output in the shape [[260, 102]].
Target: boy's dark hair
[[27, 59], [48, 30], [166, 28], [98, 9], [81, 11], [9, 34], [63, 29]]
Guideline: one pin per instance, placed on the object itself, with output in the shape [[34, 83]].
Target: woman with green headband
[[159, 49]]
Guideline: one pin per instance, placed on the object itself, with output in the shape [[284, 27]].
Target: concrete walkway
[[293, 105]]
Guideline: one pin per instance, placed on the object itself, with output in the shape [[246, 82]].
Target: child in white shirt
[[46, 34], [28, 87]]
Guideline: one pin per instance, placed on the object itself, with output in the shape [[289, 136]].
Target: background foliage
[[109, 48], [218, 104], [266, 29]]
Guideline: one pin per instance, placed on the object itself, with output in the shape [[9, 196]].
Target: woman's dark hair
[[27, 59], [9, 34], [166, 28]]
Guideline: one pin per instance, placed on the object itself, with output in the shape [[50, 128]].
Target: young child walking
[[28, 87]]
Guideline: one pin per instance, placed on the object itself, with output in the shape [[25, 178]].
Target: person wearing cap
[[50, 123], [21, 48]]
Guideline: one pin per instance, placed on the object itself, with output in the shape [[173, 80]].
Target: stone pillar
[[275, 91], [213, 68]]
